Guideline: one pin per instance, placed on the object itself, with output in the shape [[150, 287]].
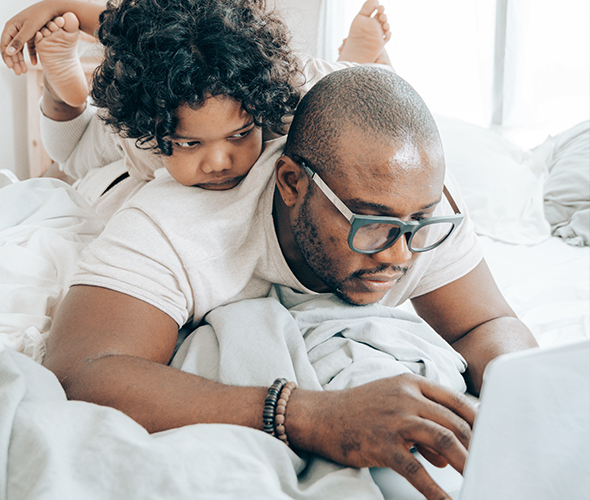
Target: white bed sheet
[[546, 284], [44, 225]]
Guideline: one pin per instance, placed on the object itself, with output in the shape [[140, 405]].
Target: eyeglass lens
[[380, 235]]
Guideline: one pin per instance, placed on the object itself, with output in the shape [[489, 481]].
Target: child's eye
[[241, 135], [186, 144]]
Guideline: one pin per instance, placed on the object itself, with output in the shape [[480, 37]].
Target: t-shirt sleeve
[[456, 257], [81, 144], [133, 256]]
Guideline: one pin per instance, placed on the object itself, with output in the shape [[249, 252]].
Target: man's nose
[[216, 160], [397, 254]]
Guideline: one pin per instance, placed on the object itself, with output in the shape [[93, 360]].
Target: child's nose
[[216, 161]]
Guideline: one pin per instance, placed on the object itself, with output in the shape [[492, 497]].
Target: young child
[[196, 86]]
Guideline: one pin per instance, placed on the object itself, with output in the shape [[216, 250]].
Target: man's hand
[[376, 425]]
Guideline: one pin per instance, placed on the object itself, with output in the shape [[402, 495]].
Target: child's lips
[[227, 183]]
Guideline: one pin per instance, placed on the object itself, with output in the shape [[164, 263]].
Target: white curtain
[[521, 66], [546, 74], [335, 19]]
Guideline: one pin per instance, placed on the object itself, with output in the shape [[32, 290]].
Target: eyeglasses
[[374, 233]]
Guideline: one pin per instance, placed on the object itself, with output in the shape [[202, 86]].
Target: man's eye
[[186, 144]]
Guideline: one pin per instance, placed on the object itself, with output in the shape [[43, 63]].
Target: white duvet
[[44, 224]]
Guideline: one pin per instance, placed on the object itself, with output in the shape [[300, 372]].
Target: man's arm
[[112, 349], [473, 316]]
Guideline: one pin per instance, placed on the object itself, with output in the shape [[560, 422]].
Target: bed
[[529, 207]]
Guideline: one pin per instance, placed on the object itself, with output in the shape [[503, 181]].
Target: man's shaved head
[[374, 143], [374, 100]]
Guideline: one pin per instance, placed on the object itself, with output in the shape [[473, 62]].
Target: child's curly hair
[[162, 54]]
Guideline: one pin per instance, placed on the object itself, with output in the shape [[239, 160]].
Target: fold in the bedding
[[44, 224]]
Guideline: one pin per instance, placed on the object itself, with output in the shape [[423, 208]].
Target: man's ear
[[291, 180]]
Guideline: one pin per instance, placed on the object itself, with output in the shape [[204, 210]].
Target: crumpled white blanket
[[318, 341], [44, 224], [87, 451], [53, 448]]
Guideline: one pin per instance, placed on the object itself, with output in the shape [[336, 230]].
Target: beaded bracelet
[[288, 388], [275, 405], [270, 404]]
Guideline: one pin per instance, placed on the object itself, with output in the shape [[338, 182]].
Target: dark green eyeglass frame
[[357, 221]]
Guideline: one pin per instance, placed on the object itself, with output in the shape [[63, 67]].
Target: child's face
[[215, 146]]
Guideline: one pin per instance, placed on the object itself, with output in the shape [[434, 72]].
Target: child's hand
[[20, 30]]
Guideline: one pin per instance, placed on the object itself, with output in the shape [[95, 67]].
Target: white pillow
[[567, 189], [501, 184]]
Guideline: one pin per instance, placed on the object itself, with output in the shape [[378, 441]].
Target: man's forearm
[[488, 341], [160, 397], [370, 425]]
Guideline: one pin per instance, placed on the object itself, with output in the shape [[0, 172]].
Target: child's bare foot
[[56, 46], [369, 32]]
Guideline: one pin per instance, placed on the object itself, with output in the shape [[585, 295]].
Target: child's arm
[[80, 144], [20, 30]]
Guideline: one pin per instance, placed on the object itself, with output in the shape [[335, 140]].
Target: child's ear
[[291, 180]]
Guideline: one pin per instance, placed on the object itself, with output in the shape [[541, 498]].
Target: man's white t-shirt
[[186, 250]]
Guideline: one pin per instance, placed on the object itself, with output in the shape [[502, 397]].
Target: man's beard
[[312, 249]]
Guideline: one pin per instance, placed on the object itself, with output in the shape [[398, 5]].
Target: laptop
[[531, 439]]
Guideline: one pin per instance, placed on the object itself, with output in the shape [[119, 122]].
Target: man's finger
[[410, 467], [455, 401], [442, 440], [432, 456], [448, 419]]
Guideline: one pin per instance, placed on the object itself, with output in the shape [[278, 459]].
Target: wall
[[301, 16], [13, 106]]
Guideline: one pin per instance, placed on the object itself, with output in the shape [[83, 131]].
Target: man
[[358, 208]]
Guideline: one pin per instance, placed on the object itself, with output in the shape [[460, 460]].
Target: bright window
[[519, 65]]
